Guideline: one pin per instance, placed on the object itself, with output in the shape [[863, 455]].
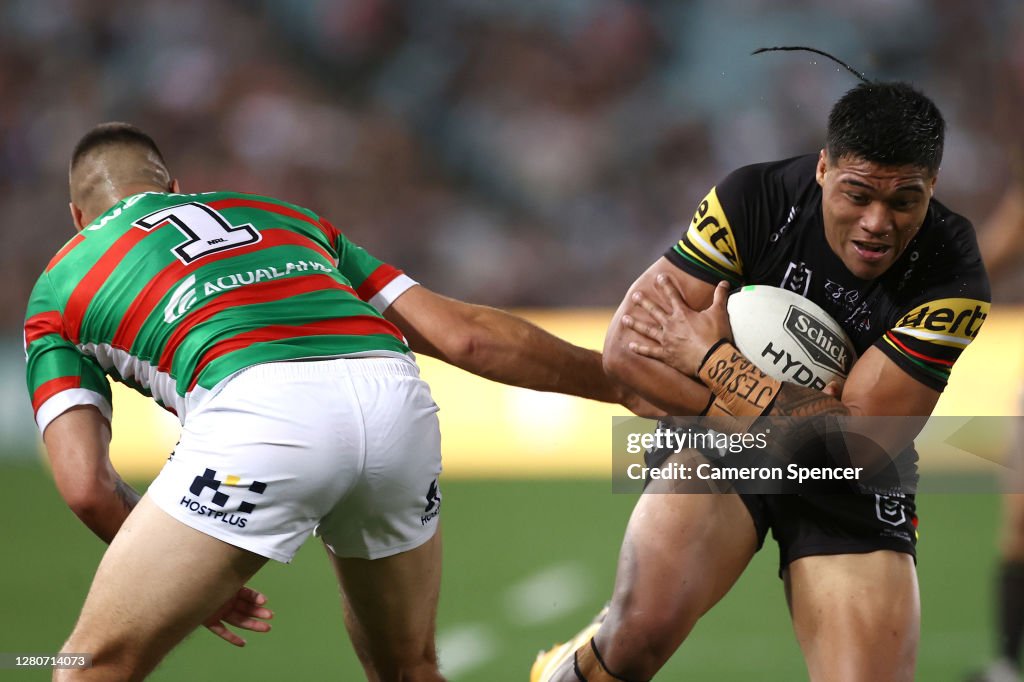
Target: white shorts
[[349, 448]]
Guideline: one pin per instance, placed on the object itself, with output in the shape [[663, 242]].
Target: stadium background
[[536, 155]]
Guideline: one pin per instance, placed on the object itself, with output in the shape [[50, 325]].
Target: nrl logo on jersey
[[187, 294], [797, 278]]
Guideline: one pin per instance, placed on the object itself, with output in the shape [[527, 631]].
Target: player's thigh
[[158, 580], [391, 603], [856, 616], [681, 554], [383, 535]]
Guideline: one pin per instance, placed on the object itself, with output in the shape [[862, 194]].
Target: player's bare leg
[[857, 617], [390, 608], [681, 554], [158, 581]]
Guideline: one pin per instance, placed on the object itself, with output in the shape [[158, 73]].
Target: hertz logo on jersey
[[710, 241], [947, 321]]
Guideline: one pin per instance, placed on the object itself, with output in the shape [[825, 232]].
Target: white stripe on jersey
[[391, 291]]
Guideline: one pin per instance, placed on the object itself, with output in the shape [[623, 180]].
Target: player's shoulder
[[956, 229], [791, 172], [944, 259], [224, 199], [773, 184], [949, 239]]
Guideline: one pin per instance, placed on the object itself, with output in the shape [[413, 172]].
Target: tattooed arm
[[698, 344], [77, 443]]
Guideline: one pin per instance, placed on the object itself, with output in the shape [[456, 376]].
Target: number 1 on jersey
[[206, 230]]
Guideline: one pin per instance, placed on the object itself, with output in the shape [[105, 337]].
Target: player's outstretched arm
[[657, 381], [498, 345], [77, 444]]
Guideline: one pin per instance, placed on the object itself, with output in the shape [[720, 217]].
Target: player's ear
[[76, 216], [819, 172], [175, 187]]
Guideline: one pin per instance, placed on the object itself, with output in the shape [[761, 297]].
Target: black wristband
[[707, 355]]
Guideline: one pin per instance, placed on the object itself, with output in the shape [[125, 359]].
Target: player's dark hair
[[891, 124], [801, 48], [888, 123], [113, 133]]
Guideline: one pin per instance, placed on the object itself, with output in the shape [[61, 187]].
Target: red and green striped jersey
[[171, 294]]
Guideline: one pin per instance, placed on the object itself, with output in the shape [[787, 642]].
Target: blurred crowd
[[527, 153]]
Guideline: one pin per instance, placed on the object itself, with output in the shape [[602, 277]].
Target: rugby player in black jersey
[[855, 229]]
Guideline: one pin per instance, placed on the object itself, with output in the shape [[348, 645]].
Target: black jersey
[[763, 225]]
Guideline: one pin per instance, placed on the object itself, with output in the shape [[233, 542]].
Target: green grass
[[497, 533]]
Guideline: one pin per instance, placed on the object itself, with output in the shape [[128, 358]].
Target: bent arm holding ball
[[689, 340], [658, 382]]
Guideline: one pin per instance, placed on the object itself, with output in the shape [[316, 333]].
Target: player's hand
[[244, 610], [681, 336], [834, 389]]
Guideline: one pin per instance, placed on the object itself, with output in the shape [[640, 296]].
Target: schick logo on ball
[[824, 347]]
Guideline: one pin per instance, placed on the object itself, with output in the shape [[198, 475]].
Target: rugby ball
[[789, 337]]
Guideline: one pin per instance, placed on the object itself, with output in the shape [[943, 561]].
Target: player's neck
[[110, 198], [123, 192]]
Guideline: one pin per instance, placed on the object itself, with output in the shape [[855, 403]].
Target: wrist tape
[[739, 387], [589, 666]]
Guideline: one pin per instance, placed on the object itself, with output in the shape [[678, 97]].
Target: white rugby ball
[[789, 337]]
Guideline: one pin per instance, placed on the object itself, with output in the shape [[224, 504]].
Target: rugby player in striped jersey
[[285, 351]]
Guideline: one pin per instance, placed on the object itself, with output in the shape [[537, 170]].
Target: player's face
[[871, 211]]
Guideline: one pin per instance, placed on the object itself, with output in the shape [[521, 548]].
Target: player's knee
[[118, 658]]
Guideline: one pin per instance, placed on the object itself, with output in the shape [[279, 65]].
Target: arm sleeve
[[932, 330], [375, 282], [929, 338], [719, 240], [59, 375]]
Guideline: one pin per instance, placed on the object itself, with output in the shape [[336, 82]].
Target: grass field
[[526, 563]]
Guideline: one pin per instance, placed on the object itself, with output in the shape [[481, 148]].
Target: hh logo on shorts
[[433, 507], [890, 510], [209, 480]]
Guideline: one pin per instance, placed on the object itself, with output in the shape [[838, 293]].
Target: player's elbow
[[86, 503], [466, 349]]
